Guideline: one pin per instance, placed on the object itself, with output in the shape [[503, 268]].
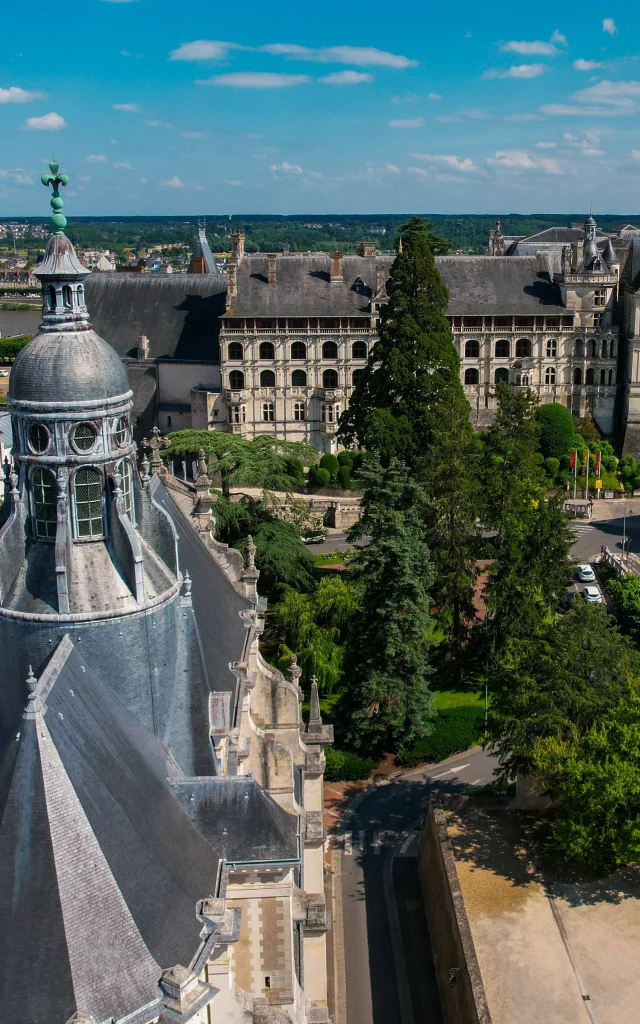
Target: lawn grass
[[329, 558], [458, 699]]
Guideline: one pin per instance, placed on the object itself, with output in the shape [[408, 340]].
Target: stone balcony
[[235, 397]]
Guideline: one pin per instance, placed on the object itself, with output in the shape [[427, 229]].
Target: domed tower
[[84, 548], [590, 255]]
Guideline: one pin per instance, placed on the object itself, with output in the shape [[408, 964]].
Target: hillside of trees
[[303, 232]]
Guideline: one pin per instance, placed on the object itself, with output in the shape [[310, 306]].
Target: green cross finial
[[58, 219]]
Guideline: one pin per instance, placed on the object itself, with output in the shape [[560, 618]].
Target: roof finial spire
[[58, 219]]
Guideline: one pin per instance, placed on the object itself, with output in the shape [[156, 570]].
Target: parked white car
[[593, 595], [586, 574]]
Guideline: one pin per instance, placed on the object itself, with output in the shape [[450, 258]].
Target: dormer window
[[87, 489], [359, 286]]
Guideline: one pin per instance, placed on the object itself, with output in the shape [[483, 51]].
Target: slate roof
[[179, 313], [216, 602], [240, 819], [477, 285], [100, 868], [67, 367], [201, 249]]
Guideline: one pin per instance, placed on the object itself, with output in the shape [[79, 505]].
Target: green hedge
[[345, 766], [455, 729], [9, 347]]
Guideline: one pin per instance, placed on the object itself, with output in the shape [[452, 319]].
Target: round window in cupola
[[84, 437], [121, 431], [39, 438]]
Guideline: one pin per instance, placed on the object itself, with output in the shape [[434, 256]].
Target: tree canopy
[[557, 430]]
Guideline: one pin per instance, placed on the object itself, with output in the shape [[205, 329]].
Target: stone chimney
[[336, 268], [367, 248], [271, 260], [143, 347], [237, 244], [232, 287]]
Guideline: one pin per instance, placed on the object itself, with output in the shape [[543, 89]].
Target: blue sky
[[154, 107]]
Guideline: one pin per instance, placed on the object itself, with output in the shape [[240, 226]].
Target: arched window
[[268, 412], [267, 351], [124, 469], [612, 348], [298, 411], [66, 296], [472, 349], [577, 375], [43, 485], [51, 297], [329, 350], [80, 292], [356, 376], [299, 378], [523, 348], [591, 376], [550, 375], [594, 348], [235, 350], [604, 349], [359, 350], [611, 381], [501, 374], [552, 348], [87, 487], [579, 348], [471, 376], [298, 350], [522, 380], [603, 377], [236, 380], [267, 379], [502, 349], [121, 431], [330, 379]]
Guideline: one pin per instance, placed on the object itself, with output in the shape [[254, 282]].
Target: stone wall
[[458, 975]]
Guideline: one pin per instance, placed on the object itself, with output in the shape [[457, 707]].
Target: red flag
[[572, 459], [598, 460]]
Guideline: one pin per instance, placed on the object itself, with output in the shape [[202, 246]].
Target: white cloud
[[546, 145], [449, 119], [475, 114], [364, 56], [454, 163], [234, 184], [14, 94], [84, 177], [285, 169], [203, 49], [123, 167], [609, 25], [517, 71], [520, 160], [128, 108], [586, 65], [419, 172], [635, 153], [143, 180], [193, 135], [605, 99], [173, 182], [47, 123], [16, 177], [517, 118], [558, 38], [255, 80], [346, 78], [159, 124], [411, 122], [536, 48], [95, 158], [587, 146], [434, 96]]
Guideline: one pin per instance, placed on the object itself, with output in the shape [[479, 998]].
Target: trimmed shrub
[[345, 458], [346, 766], [322, 477], [455, 729], [610, 463], [557, 430], [344, 476], [552, 466], [331, 464]]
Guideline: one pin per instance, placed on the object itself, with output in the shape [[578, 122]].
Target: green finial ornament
[[58, 219]]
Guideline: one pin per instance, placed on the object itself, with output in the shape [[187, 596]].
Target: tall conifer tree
[[414, 363], [387, 700]]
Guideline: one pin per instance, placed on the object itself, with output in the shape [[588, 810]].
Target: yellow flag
[[585, 458]]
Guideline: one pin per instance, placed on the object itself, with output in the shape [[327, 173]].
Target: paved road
[[368, 837], [590, 536]]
